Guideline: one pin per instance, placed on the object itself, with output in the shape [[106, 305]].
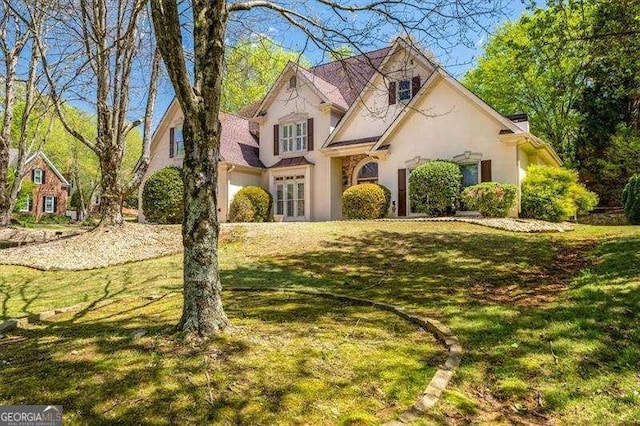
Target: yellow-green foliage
[[365, 201], [631, 200], [554, 194], [251, 204], [491, 199]]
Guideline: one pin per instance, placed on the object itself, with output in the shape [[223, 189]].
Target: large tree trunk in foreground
[[110, 193], [202, 312]]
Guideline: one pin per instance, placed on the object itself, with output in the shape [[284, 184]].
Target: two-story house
[[50, 188], [369, 118]]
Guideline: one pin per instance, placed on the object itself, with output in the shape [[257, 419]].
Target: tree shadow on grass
[[93, 366], [547, 324]]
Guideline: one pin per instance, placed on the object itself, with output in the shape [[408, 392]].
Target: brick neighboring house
[[51, 189]]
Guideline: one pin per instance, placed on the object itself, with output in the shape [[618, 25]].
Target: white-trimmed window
[[294, 137], [49, 204], [179, 141], [404, 90], [290, 196], [27, 204], [470, 174], [37, 176]]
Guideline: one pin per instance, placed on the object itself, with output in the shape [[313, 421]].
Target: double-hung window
[[404, 90], [294, 137], [470, 175], [49, 204], [37, 176]]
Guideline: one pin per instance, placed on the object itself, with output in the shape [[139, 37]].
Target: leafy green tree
[[251, 67], [608, 145], [341, 52], [532, 66]]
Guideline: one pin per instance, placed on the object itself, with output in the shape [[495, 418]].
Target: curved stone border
[[440, 380], [428, 398]]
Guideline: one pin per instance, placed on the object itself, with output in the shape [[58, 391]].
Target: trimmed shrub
[[241, 209], [631, 200], [251, 204], [365, 201], [554, 194], [435, 188], [491, 199], [162, 196]]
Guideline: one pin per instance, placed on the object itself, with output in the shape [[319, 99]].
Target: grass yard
[[548, 322]]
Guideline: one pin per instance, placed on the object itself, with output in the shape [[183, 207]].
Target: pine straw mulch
[[98, 248]]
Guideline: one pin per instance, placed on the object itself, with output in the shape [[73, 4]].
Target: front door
[[290, 197]]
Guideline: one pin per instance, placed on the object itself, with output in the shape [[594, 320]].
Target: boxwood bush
[[554, 194], [251, 204], [162, 196], [366, 201], [631, 200], [435, 188], [491, 199]]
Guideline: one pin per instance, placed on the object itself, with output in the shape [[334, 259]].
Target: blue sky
[[457, 59]]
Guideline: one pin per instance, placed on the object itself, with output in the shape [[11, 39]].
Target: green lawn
[[549, 323]]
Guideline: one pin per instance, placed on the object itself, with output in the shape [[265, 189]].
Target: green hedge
[[554, 194], [631, 200], [163, 195], [251, 204], [435, 188], [491, 199], [366, 201]]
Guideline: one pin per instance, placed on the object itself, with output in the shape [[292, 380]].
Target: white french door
[[290, 197]]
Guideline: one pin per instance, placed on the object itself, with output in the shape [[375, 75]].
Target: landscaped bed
[[286, 359], [98, 248], [548, 322]]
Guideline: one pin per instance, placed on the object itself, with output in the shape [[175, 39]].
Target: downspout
[[230, 168], [519, 179]]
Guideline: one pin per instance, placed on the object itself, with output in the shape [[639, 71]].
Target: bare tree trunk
[[20, 22], [110, 194], [202, 312], [111, 45]]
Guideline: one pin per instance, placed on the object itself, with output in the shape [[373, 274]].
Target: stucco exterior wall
[[454, 125], [372, 115], [300, 104], [236, 180], [229, 182]]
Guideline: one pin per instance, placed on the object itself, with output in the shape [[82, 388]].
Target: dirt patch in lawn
[[506, 224], [544, 285], [98, 248]]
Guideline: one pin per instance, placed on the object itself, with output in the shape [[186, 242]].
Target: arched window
[[293, 82], [367, 173]]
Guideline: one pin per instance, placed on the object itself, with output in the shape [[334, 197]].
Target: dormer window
[[404, 90], [294, 137], [293, 82]]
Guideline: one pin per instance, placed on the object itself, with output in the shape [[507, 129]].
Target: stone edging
[[440, 380], [428, 398]]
